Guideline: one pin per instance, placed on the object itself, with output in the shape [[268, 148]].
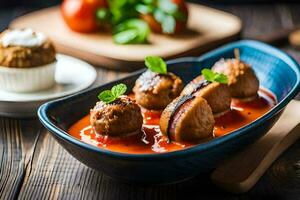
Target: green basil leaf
[[156, 64], [144, 9], [167, 6], [212, 76], [119, 90], [132, 31], [148, 1], [168, 24], [167, 21], [159, 15], [122, 10], [133, 23], [126, 37], [106, 96]]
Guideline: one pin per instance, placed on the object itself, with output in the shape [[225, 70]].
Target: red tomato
[[180, 25], [80, 15]]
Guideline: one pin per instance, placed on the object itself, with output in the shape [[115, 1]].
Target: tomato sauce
[[151, 140]]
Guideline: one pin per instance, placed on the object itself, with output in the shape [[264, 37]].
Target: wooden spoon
[[242, 171]]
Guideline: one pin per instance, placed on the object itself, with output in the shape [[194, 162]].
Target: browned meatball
[[155, 91], [187, 118], [120, 118], [216, 94], [242, 80]]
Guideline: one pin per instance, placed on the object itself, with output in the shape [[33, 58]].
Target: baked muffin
[[27, 61], [25, 48]]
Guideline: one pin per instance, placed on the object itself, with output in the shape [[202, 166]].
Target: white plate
[[72, 75]]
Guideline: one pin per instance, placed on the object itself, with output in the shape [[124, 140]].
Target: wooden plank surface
[[17, 143], [240, 173], [34, 166]]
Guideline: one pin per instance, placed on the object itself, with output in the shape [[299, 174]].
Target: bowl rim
[[291, 62]]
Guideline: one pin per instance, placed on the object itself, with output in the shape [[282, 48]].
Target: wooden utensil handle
[[241, 172]]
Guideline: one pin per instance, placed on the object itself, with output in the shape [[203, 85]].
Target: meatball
[[155, 91], [216, 94], [242, 81], [120, 118], [187, 118]]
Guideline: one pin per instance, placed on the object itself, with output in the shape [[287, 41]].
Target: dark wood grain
[[57, 175], [34, 166], [17, 142]]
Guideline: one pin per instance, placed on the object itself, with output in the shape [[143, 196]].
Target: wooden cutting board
[[241, 172], [207, 28]]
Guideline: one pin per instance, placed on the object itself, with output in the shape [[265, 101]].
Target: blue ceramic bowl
[[276, 71]]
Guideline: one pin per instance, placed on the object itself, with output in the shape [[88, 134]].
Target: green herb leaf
[[122, 10], [167, 6], [221, 78], [159, 15], [167, 21], [144, 9], [108, 96], [126, 37], [169, 24], [212, 76], [208, 74], [132, 31], [156, 64], [149, 1], [119, 89], [102, 14], [126, 14]]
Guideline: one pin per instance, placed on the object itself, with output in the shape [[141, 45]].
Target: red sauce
[[150, 140]]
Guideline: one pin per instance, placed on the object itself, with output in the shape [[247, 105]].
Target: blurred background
[[258, 16]]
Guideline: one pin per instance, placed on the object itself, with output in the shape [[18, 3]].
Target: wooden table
[[34, 166]]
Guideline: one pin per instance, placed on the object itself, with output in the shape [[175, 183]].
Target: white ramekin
[[27, 79]]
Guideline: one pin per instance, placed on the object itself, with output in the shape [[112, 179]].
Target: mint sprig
[[212, 76], [156, 64], [108, 96]]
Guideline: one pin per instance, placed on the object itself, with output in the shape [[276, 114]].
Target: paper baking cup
[[27, 79]]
